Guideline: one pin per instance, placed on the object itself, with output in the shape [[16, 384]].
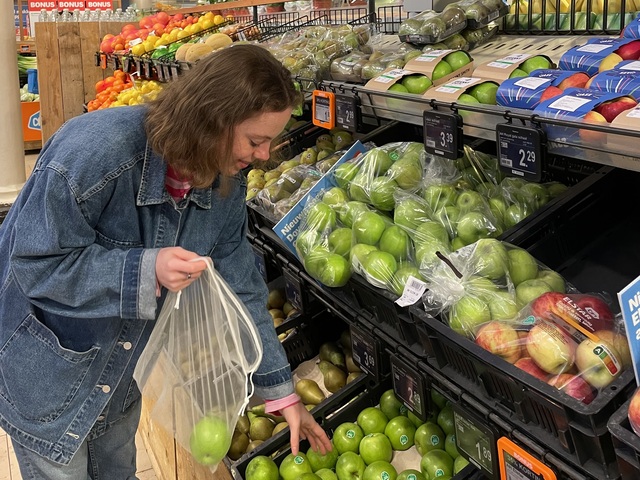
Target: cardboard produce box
[[453, 90], [517, 64]]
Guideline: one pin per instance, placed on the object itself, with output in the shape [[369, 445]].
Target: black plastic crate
[[626, 444], [265, 258]]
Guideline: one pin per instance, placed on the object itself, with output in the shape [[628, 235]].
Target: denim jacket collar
[[152, 191]]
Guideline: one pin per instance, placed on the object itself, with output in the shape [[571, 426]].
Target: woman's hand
[[175, 268], [302, 426]]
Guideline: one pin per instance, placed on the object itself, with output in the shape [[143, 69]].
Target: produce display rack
[[626, 443]]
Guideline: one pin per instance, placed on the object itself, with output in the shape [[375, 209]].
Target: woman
[[118, 204]]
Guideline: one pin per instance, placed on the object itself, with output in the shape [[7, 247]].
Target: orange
[[100, 86]]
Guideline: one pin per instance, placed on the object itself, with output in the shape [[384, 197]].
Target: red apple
[[544, 306], [500, 339], [591, 135], [611, 109], [574, 386], [630, 51], [590, 81], [550, 92], [577, 80], [600, 313], [528, 365], [634, 412]]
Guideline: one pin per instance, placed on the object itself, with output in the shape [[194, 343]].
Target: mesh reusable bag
[[196, 369]]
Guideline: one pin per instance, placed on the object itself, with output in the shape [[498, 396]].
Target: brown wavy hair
[[190, 124]]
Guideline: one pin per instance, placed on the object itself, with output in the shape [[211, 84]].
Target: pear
[[331, 353], [345, 339], [353, 376], [279, 427], [276, 313], [286, 308], [309, 391], [351, 366], [239, 444], [261, 427], [334, 378], [243, 424], [252, 445], [271, 174], [276, 299], [310, 407]]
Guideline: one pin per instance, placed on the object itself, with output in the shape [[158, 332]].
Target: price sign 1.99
[[520, 150], [365, 350], [443, 134], [476, 441]]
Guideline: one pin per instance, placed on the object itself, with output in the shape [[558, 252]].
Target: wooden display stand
[[67, 70]]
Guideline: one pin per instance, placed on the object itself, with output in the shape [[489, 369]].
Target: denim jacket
[[77, 279]]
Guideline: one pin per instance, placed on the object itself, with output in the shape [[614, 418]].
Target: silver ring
[[188, 276]]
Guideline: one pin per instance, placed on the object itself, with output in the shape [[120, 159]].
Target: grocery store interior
[[446, 227]]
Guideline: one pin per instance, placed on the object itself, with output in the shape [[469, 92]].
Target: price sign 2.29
[[520, 150], [443, 134]]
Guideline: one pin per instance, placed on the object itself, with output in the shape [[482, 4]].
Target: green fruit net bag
[[196, 369]]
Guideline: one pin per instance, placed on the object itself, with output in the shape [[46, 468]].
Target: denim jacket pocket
[[22, 361]]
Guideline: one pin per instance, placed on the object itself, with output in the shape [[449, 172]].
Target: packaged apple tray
[[626, 444], [591, 242]]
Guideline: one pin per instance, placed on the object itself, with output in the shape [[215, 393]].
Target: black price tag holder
[[293, 289], [408, 384], [366, 352], [521, 150], [261, 261], [518, 464], [443, 134], [347, 111], [476, 441]]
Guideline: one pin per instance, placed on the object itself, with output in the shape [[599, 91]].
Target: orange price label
[[324, 109], [518, 464]]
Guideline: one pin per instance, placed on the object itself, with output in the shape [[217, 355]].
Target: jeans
[[110, 456]]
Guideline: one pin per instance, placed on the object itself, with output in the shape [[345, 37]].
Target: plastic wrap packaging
[[513, 306], [196, 368], [480, 13], [431, 27], [349, 67]]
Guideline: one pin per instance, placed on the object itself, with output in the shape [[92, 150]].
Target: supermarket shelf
[[223, 6]]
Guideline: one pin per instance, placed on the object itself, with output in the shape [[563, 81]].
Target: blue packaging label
[[622, 81], [526, 92], [587, 57], [287, 227]]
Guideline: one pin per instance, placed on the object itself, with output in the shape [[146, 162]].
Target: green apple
[[555, 189], [398, 88], [457, 59], [326, 474], [335, 271], [381, 193], [390, 405], [376, 162], [426, 257], [409, 213], [466, 99], [375, 447], [368, 227], [467, 314], [469, 201], [498, 207], [349, 212], [335, 196], [358, 253], [319, 461], [481, 287], [448, 217], [450, 446], [535, 63], [417, 84], [429, 436], [401, 431], [518, 73], [472, 226], [372, 420], [535, 194], [360, 187], [502, 306], [436, 463], [528, 290], [306, 240], [210, 440], [442, 70], [321, 216], [489, 258], [410, 474], [440, 195], [294, 465], [262, 468], [431, 231], [380, 266], [347, 437], [401, 277], [445, 420], [380, 470], [485, 92], [459, 464], [396, 241], [438, 399], [407, 172], [414, 419], [316, 260], [340, 241], [515, 214], [345, 173], [350, 466], [553, 279], [522, 266]]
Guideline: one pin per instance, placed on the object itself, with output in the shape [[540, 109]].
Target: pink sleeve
[[277, 405]]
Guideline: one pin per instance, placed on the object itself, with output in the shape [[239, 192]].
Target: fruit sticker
[[350, 434], [404, 439]]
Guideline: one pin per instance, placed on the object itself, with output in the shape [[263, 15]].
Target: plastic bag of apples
[[510, 304]]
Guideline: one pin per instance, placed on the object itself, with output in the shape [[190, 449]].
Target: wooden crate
[[67, 71]]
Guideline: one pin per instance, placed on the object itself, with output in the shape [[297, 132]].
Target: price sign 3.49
[[521, 150]]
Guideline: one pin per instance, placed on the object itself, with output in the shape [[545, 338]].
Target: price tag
[[261, 261], [147, 68], [293, 289], [347, 112], [521, 150], [174, 71], [476, 440], [103, 61], [518, 464], [409, 387], [138, 66], [126, 64], [365, 350], [116, 62], [160, 72], [443, 134], [324, 109]]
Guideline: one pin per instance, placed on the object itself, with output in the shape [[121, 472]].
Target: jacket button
[[106, 388], [127, 345]]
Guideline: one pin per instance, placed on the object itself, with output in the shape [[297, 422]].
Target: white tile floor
[[8, 464]]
